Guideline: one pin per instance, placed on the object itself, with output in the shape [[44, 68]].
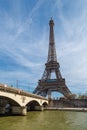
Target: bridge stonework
[[20, 100]]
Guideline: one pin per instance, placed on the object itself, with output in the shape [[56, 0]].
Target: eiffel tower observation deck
[[47, 84]]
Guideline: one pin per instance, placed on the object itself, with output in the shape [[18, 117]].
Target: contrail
[[29, 19]]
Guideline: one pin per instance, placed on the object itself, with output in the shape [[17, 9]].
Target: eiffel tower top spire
[[52, 51]]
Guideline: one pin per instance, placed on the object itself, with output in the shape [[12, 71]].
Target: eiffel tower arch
[[47, 84]]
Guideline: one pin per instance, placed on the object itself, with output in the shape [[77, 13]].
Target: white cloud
[[72, 48]]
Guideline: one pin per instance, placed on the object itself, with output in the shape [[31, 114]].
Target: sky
[[24, 41]]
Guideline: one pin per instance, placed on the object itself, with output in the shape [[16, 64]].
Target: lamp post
[[17, 83]]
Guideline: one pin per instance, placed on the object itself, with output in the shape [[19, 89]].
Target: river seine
[[46, 120]]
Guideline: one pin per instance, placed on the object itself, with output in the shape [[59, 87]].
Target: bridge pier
[[19, 110], [24, 111]]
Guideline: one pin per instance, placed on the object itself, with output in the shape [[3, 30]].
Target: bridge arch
[[19, 102], [32, 105], [11, 97], [45, 104], [8, 100]]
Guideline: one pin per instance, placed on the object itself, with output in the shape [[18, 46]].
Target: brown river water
[[46, 120]]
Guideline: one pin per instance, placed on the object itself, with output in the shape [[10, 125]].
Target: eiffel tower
[[47, 84]]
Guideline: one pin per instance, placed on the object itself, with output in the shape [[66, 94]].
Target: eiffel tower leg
[[65, 91]]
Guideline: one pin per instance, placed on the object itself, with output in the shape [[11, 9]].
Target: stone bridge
[[20, 101]]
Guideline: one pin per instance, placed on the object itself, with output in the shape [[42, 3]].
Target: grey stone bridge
[[20, 101]]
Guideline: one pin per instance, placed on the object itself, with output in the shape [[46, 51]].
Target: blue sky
[[24, 39]]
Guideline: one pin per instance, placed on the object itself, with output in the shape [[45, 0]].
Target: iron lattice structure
[[47, 84]]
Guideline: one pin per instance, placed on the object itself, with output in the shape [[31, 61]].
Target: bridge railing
[[7, 88]]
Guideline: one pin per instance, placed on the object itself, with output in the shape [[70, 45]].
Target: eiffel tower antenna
[[52, 51], [46, 85]]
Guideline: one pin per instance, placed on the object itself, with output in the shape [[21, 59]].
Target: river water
[[46, 120]]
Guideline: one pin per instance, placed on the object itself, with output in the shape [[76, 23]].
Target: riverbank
[[67, 109]]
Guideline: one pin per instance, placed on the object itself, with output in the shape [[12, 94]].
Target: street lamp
[[17, 83]]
